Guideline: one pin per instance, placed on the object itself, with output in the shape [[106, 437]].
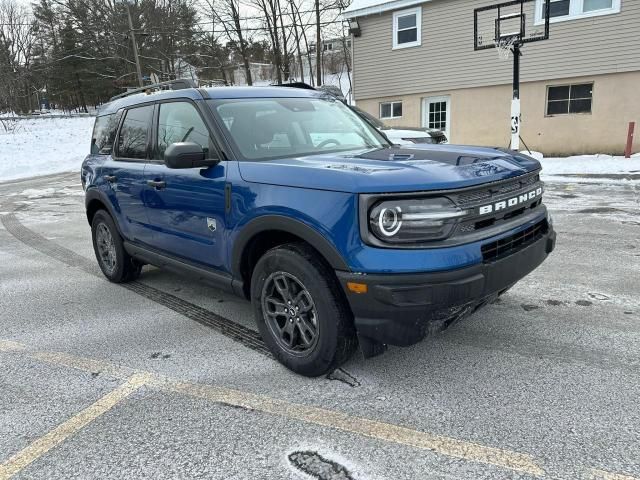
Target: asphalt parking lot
[[167, 378]]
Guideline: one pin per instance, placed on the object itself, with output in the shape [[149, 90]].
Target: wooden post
[[627, 151]]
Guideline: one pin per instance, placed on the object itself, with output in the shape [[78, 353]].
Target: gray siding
[[446, 59]]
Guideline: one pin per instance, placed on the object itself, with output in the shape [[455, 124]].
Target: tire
[[321, 305], [116, 264]]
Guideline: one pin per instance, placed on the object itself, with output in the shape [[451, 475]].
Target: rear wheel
[[116, 264], [300, 312]]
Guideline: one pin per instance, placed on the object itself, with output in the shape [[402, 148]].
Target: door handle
[[110, 178], [157, 184]]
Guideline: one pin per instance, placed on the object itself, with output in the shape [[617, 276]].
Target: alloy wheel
[[290, 313], [106, 248]]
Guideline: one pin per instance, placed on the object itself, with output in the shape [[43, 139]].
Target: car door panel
[[187, 209]]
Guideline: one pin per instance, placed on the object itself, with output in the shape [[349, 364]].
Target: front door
[[436, 113], [186, 206]]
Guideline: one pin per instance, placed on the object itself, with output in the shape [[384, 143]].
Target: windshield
[[265, 128]]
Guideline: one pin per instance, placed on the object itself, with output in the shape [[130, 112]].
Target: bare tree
[[270, 9], [227, 13], [17, 42]]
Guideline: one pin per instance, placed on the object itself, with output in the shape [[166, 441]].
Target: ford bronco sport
[[290, 199]]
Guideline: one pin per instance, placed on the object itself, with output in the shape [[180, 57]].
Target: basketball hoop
[[504, 47], [507, 23]]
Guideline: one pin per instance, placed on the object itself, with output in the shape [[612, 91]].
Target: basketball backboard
[[511, 22]]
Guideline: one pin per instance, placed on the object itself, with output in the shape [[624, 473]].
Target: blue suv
[[292, 200]]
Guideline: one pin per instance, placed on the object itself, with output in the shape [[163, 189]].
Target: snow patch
[[591, 164], [42, 146]]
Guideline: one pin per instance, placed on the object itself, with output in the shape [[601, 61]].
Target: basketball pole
[[515, 102]]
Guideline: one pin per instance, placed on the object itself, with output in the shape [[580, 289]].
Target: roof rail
[[178, 84]]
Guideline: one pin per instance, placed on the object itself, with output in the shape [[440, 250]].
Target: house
[[414, 64], [331, 45]]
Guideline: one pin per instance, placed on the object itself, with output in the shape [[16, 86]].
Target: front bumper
[[401, 309]]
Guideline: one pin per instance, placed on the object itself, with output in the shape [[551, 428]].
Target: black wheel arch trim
[[286, 224], [96, 194]]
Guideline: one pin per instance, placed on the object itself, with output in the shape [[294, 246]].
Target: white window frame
[[576, 11], [417, 11], [388, 103]]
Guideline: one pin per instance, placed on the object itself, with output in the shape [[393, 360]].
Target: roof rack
[[179, 84]]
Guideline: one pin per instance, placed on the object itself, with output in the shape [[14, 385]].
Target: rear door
[[124, 173], [186, 206]]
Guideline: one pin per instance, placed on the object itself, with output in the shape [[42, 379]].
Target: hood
[[393, 169]]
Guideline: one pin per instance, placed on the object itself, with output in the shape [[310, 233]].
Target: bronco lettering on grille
[[510, 202]]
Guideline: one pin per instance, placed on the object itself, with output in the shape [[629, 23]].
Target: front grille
[[488, 193], [513, 243]]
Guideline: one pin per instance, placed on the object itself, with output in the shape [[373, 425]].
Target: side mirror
[[186, 155]]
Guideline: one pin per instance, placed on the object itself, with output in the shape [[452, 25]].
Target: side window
[[134, 133], [181, 122], [407, 26], [391, 110], [566, 99], [104, 133]]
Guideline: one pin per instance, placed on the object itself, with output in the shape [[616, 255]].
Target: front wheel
[[116, 264], [300, 312]]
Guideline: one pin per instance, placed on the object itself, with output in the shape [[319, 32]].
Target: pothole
[[317, 466]]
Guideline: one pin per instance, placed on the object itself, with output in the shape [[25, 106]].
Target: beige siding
[[446, 59], [480, 116]]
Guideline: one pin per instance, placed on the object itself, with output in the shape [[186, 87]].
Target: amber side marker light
[[357, 287]]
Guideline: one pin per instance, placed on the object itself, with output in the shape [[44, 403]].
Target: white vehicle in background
[[404, 135], [398, 136]]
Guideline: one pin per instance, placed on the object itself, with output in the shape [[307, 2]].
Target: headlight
[[414, 220]]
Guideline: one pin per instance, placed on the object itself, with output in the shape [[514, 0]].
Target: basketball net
[[504, 47]]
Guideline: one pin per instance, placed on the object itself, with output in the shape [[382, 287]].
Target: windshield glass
[[265, 128]]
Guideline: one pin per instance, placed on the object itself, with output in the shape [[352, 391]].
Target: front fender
[[286, 224]]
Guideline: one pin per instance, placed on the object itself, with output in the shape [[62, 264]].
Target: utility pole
[[318, 47], [135, 45]]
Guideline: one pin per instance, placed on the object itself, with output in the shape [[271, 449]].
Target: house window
[[391, 110], [407, 26], [438, 115], [561, 10], [565, 99]]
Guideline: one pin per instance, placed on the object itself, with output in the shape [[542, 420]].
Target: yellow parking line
[[336, 420], [8, 346], [59, 434], [361, 426], [604, 475], [85, 364], [452, 447]]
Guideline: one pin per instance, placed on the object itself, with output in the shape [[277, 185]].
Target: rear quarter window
[[104, 133]]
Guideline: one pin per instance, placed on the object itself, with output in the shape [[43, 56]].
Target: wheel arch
[[96, 200], [268, 231]]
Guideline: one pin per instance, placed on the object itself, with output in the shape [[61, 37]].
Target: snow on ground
[[592, 164], [42, 146], [590, 168]]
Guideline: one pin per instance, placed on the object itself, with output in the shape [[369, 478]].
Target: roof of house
[[360, 8]]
